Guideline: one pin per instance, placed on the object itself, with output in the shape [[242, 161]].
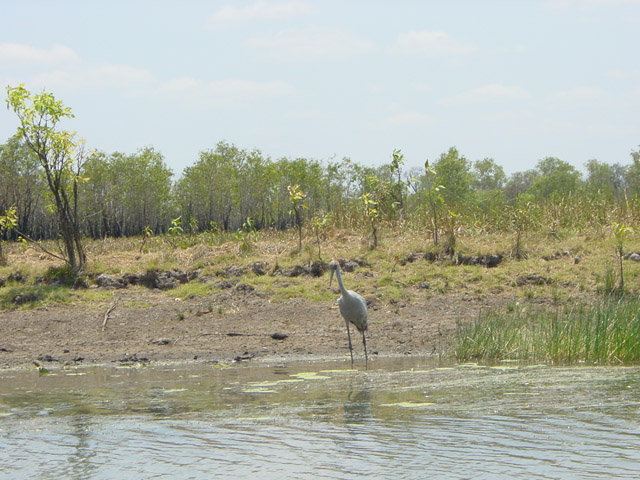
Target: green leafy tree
[[556, 179], [101, 197], [256, 189], [319, 224], [343, 182], [382, 191], [453, 173], [604, 185], [61, 157], [126, 193], [519, 183], [488, 175], [601, 179], [246, 235], [435, 200], [632, 174], [488, 181], [398, 185], [8, 222], [379, 203], [308, 175], [22, 187], [145, 189], [297, 197], [387, 187], [210, 189], [372, 214], [175, 231]]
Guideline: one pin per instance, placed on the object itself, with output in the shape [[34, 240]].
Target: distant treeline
[[124, 195]]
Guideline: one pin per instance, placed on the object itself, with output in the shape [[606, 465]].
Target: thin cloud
[[312, 114], [102, 76], [377, 88], [619, 74], [17, 54], [310, 43], [421, 87], [582, 94], [60, 67], [260, 10], [189, 92], [119, 76], [556, 4], [196, 93], [409, 119], [432, 43], [491, 93]]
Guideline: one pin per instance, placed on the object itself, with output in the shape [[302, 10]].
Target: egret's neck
[[342, 287]]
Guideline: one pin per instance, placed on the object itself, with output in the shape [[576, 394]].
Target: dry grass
[[560, 271], [551, 259]]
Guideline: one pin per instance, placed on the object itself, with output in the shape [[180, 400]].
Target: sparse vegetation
[[392, 271], [550, 303], [546, 231]]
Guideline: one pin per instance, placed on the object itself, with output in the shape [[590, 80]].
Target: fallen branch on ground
[[109, 310]]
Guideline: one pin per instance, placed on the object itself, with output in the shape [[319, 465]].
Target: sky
[[515, 81]]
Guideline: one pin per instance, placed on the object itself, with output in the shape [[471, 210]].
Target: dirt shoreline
[[149, 326]]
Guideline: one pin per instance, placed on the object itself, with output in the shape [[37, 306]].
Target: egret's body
[[353, 309]]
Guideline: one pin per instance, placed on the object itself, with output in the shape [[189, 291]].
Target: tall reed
[[607, 332]]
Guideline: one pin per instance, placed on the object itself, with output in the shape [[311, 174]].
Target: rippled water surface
[[400, 419]]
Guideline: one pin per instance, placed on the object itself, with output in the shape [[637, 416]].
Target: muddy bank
[[142, 325]]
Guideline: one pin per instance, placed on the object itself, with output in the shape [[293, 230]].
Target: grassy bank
[[552, 296], [560, 266]]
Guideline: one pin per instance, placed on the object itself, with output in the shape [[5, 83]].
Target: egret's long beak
[[331, 276]]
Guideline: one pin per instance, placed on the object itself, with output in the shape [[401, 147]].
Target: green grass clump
[[32, 296], [187, 290], [607, 332]]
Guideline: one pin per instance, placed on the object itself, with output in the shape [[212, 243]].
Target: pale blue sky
[[514, 80]]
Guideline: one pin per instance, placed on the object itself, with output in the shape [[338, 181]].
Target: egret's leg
[[350, 346], [364, 342]]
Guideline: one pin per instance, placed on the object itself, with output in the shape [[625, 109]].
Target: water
[[400, 419]]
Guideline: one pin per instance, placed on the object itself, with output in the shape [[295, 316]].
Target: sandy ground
[[148, 325]]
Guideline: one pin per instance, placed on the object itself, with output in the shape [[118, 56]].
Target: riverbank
[[157, 302], [140, 325]]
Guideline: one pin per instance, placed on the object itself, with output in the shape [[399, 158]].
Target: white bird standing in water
[[352, 307]]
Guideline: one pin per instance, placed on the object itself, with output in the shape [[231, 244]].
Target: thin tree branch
[[37, 244], [108, 312]]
